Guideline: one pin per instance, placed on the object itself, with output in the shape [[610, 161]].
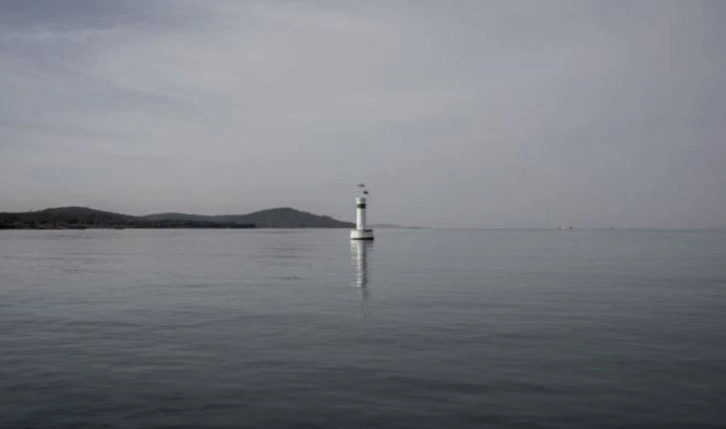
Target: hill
[[83, 217], [283, 217]]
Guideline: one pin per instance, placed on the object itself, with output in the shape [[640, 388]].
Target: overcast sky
[[462, 113]]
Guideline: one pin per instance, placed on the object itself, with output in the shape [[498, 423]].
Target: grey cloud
[[455, 114]]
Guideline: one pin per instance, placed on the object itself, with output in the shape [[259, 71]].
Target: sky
[[455, 114]]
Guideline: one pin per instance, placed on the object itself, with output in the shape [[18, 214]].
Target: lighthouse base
[[361, 234]]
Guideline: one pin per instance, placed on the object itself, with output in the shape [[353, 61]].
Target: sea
[[422, 328]]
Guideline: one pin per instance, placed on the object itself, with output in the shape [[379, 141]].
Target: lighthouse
[[361, 232]]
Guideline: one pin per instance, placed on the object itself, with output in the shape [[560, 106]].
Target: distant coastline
[[85, 218]]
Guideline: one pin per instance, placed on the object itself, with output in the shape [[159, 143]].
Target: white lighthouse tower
[[361, 232]]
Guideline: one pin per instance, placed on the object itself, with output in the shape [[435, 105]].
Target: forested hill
[[283, 217], [83, 217]]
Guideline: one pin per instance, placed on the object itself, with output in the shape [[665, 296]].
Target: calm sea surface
[[421, 329]]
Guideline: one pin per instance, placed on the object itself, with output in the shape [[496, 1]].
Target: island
[[84, 217]]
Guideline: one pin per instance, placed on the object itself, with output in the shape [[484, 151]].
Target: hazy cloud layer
[[464, 113]]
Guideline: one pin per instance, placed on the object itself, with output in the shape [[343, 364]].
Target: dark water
[[423, 329]]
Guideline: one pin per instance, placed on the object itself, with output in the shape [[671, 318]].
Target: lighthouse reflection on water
[[359, 250]]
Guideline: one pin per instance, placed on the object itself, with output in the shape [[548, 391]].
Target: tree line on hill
[[83, 217]]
